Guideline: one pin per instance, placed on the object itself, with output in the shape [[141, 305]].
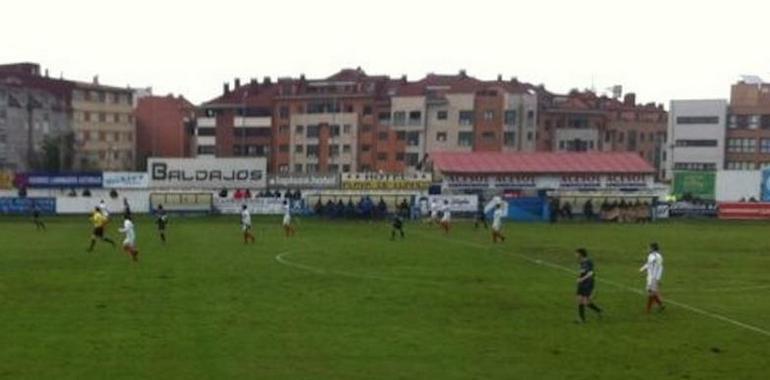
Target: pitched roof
[[541, 163]]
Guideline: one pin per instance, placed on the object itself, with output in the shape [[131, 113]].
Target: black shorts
[[99, 231], [585, 288]]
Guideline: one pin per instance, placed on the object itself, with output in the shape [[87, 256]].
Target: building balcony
[[252, 122]]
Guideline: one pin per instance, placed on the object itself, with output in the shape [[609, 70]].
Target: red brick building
[[164, 127]]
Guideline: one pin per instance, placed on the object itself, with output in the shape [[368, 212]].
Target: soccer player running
[[446, 217], [397, 226], [129, 243], [288, 228], [585, 285], [36, 218], [99, 221], [161, 220], [434, 208], [481, 217], [497, 224], [246, 225], [654, 269]]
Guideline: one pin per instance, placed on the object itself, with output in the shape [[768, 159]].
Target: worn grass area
[[342, 301]]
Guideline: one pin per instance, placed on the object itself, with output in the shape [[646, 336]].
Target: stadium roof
[[540, 163]]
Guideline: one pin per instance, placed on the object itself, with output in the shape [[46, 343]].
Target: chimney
[[499, 77], [302, 77], [463, 74], [266, 80], [403, 78], [226, 88], [629, 99], [96, 79], [514, 80], [253, 82], [46, 73], [237, 82]]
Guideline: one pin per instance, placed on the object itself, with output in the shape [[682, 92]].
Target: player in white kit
[[246, 225], [129, 243], [446, 217], [497, 224], [654, 269], [288, 228], [434, 208]]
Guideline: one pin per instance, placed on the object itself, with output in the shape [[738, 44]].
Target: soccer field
[[342, 301]]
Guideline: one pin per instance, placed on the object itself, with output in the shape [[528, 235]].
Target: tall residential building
[[748, 126], [696, 135], [164, 127], [584, 121], [35, 125], [103, 122]]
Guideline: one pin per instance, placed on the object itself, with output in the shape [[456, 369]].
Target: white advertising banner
[[207, 173], [261, 206], [457, 203], [125, 180]]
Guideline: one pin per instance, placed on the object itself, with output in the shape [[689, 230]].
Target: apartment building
[[747, 145], [585, 121], [696, 135], [164, 127], [35, 127]]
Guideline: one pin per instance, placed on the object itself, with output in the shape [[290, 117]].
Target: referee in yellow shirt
[[99, 221]]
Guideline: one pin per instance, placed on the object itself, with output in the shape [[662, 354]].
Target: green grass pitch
[[342, 301]]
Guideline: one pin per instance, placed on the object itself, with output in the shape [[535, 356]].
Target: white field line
[[619, 286]]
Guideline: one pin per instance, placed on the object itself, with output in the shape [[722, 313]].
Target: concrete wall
[[677, 131], [733, 185]]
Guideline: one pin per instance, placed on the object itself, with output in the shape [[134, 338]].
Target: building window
[[413, 138], [366, 128], [334, 130], [346, 148], [237, 150], [696, 143], [764, 145], [283, 148], [283, 129], [399, 118], [488, 136], [441, 115], [298, 168], [415, 117], [489, 115], [333, 168], [346, 168], [207, 131], [382, 136], [509, 138], [384, 118], [529, 136], [764, 122], [740, 165], [206, 149], [742, 145], [695, 166], [465, 118], [346, 129], [283, 168], [283, 112], [465, 138], [299, 148], [382, 156], [334, 151], [697, 120], [299, 129], [441, 136], [312, 131], [312, 151], [366, 148], [367, 110], [530, 118], [510, 117], [400, 156], [400, 135]]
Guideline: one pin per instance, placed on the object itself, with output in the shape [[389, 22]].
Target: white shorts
[[245, 227], [496, 227], [434, 215], [653, 285], [286, 220], [445, 220], [129, 243]]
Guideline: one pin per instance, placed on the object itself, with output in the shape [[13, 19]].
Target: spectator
[[567, 210], [382, 208], [588, 210]]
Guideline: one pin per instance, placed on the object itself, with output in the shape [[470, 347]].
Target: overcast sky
[[660, 49]]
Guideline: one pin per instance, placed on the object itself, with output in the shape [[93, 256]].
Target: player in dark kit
[[585, 285], [36, 218], [161, 219], [398, 225]]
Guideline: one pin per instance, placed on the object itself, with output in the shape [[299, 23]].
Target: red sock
[[658, 300], [650, 300]]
